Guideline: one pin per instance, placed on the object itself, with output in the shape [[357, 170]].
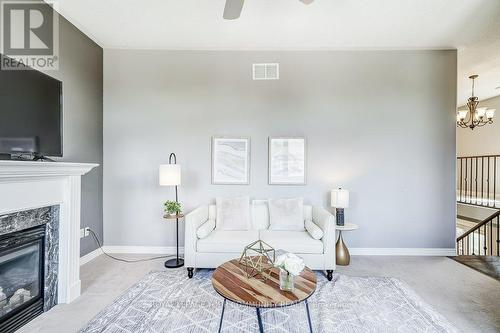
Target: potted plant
[[172, 208], [290, 265]]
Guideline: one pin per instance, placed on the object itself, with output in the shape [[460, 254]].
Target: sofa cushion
[[308, 213], [233, 213], [205, 229], [260, 214], [220, 241], [314, 230], [286, 214], [212, 212], [292, 241]]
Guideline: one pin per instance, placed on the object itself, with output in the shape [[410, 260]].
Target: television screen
[[30, 113]]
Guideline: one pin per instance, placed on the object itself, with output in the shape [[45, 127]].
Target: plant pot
[[286, 280]]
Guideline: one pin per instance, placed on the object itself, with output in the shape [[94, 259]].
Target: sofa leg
[[329, 274], [190, 272]]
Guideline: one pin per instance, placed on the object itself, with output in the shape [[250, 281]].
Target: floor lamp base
[[174, 263]]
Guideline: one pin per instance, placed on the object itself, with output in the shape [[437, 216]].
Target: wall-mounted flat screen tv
[[30, 113]]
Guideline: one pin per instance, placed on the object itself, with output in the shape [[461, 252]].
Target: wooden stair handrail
[[479, 225], [477, 156]]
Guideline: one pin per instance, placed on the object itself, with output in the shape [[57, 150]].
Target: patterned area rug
[[167, 301]]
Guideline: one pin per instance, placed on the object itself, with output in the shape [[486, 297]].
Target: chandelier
[[477, 116]]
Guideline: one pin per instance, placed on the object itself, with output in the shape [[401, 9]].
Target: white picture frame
[[287, 161], [230, 160]]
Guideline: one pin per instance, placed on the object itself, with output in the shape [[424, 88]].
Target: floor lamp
[[170, 175]]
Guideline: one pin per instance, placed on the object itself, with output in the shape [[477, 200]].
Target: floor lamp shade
[[170, 174]]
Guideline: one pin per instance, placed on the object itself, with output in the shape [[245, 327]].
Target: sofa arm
[[323, 219], [193, 221]]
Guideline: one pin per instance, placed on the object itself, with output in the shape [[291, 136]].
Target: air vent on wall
[[266, 71]]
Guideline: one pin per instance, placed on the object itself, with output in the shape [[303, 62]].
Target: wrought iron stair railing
[[478, 180], [482, 239]]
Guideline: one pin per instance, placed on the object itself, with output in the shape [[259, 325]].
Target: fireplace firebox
[[21, 277]]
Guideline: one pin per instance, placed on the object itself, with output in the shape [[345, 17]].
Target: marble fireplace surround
[[49, 217], [26, 185]]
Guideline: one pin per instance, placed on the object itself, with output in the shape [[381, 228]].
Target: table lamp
[[170, 175], [340, 200]]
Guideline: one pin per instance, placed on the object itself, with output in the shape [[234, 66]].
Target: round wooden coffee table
[[231, 282]]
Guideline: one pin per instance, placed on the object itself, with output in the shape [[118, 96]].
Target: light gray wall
[[380, 123], [80, 70], [484, 140]]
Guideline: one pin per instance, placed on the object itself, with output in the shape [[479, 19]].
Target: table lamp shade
[[340, 198], [170, 174]]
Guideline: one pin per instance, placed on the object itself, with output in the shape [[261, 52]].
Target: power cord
[[98, 241]]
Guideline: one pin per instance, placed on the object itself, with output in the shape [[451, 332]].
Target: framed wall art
[[287, 161], [230, 160]]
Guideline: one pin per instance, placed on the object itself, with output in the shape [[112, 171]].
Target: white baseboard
[[393, 251], [355, 251], [90, 256], [142, 249]]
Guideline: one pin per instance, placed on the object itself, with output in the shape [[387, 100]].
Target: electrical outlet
[[84, 232]]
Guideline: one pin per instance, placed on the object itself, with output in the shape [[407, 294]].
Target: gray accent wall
[[380, 123], [81, 70]]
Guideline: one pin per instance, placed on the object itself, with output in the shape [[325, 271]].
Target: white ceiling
[[471, 26]]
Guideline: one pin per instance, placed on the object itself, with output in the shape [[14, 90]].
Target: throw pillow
[[233, 213], [260, 215], [286, 214], [314, 230]]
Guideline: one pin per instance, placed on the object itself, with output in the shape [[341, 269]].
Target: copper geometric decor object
[[258, 258]]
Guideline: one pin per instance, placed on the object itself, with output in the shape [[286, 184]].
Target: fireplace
[[47, 195], [21, 277], [29, 261]]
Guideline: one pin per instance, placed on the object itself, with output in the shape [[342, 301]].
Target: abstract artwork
[[287, 161], [230, 160]]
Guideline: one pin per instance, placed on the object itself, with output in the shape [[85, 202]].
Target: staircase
[[482, 239], [478, 185]]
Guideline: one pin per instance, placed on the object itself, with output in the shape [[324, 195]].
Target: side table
[[342, 256]]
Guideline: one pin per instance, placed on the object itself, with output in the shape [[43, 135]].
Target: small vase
[[286, 280]]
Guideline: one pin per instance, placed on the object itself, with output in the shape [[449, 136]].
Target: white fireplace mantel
[[27, 185]]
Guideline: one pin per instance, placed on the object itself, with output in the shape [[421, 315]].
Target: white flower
[[280, 260], [291, 263], [294, 265]]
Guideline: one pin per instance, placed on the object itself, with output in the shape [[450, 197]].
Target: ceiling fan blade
[[232, 9]]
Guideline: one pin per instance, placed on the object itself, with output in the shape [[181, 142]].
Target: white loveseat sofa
[[207, 247]]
